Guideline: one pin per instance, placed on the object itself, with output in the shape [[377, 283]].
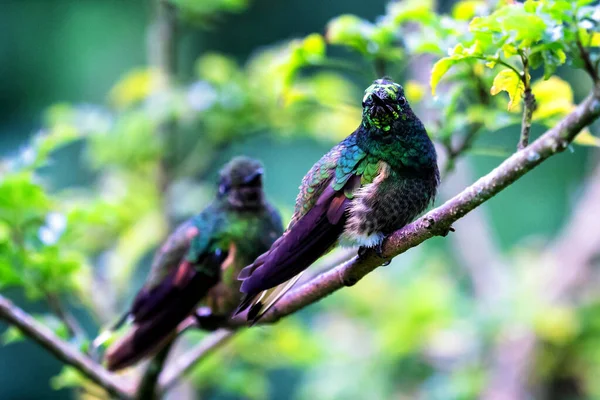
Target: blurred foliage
[[405, 333]]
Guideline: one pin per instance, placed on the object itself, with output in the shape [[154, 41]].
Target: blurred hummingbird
[[372, 183], [201, 261]]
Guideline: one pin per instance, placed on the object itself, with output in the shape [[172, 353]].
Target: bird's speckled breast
[[390, 202]]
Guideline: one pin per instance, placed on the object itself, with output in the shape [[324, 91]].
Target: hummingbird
[[374, 182], [199, 263]]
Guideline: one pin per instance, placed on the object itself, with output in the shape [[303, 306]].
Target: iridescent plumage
[[199, 263], [372, 183]]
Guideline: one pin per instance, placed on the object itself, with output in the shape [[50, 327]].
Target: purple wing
[[158, 311], [307, 240]]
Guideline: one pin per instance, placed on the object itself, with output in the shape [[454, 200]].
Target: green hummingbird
[[199, 263], [372, 183]]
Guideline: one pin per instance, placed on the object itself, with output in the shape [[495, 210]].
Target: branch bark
[[61, 350], [528, 109]]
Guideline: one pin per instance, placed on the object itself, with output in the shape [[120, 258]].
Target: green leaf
[[554, 98], [466, 9], [509, 81], [439, 70], [22, 201], [69, 377], [313, 47], [585, 138], [411, 10], [12, 335], [350, 30]]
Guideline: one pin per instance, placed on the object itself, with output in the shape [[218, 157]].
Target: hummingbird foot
[[208, 321], [378, 248], [379, 251]]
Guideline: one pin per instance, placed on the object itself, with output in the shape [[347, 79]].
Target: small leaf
[[439, 70], [12, 335], [557, 325], [414, 91], [507, 80], [585, 138], [350, 30], [466, 9], [69, 377], [554, 98], [313, 47], [136, 86]]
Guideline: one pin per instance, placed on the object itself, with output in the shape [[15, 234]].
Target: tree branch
[[73, 326], [147, 387], [528, 109], [175, 371], [162, 49], [465, 144], [587, 63], [528, 103], [61, 350], [436, 222]]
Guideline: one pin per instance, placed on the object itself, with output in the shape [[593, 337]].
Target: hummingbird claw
[[378, 248]]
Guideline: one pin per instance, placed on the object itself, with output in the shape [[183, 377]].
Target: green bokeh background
[[75, 50]]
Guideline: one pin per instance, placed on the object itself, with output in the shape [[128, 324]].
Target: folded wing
[[302, 244], [158, 312]]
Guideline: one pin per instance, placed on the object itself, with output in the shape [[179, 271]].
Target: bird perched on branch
[[374, 182], [201, 261]]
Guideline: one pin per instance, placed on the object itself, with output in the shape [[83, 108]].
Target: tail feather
[[106, 334], [142, 340], [159, 324], [258, 305]]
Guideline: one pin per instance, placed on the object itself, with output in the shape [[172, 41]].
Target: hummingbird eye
[[402, 101], [223, 187]]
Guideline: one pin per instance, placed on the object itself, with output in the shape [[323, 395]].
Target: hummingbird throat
[[380, 116]]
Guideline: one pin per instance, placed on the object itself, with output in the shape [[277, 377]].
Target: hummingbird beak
[[254, 176], [378, 100]]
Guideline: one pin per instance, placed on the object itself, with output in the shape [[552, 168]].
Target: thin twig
[[528, 103], [528, 108], [175, 371], [585, 56], [73, 326], [466, 142], [436, 222], [61, 350], [147, 389], [163, 54]]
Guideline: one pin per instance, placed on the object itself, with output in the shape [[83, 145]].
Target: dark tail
[[159, 326], [142, 340]]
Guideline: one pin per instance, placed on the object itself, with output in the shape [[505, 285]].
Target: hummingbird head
[[240, 183], [384, 103], [390, 129]]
